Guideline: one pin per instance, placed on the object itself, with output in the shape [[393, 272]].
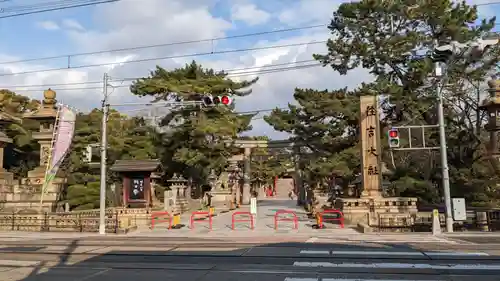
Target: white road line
[[342, 279], [401, 241], [444, 240], [312, 240], [384, 253], [19, 263], [314, 252], [400, 266], [391, 253], [476, 254], [88, 277], [360, 279]]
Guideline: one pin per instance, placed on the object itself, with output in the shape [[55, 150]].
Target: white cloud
[[309, 12], [140, 23], [47, 25], [250, 14], [131, 23], [72, 24]]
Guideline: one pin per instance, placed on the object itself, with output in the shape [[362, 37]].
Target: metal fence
[[56, 222], [422, 222]]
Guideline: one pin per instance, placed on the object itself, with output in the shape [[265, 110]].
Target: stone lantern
[[6, 178], [46, 115], [175, 198], [492, 106], [212, 180], [234, 179]]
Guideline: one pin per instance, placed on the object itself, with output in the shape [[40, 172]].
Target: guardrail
[[322, 218], [158, 217], [249, 218], [294, 218], [205, 214]]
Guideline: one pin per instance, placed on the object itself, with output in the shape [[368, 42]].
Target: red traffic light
[[225, 100], [393, 133]]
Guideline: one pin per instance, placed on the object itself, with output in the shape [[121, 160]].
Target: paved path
[[361, 261]]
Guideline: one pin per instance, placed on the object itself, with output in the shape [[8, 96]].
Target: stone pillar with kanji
[[370, 147]]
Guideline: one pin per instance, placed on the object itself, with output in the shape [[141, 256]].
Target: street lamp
[[445, 54]]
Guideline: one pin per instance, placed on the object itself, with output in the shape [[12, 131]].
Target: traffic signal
[[393, 138], [210, 100], [442, 53]]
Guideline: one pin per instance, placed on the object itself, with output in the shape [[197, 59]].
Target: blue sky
[[27, 39], [131, 23]]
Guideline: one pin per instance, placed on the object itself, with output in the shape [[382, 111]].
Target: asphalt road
[[213, 260]]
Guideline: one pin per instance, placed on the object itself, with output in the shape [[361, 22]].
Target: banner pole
[[46, 179]]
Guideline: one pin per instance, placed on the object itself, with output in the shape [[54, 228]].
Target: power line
[[240, 74], [488, 4], [229, 71], [167, 57], [44, 5], [95, 2], [167, 44]]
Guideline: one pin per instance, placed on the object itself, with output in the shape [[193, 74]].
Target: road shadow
[[62, 260], [203, 261]]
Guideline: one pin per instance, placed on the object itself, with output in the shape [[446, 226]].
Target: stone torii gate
[[247, 146]]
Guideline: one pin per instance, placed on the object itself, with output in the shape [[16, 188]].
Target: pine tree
[[393, 41], [197, 138]]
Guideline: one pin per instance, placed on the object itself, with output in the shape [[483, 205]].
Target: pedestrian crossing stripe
[[400, 266], [393, 253], [342, 279], [313, 252]]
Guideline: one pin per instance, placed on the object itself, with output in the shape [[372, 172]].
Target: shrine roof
[[135, 165], [42, 113], [6, 117]]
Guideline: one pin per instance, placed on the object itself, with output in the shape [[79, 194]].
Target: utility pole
[[104, 145], [473, 51], [444, 154]]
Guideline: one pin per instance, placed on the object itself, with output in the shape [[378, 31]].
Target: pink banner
[[62, 143], [64, 137]]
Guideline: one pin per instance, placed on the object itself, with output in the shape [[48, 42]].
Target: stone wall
[[118, 220], [369, 210]]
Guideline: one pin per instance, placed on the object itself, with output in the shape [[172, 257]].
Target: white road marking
[[444, 240], [384, 253], [391, 253], [402, 241], [361, 279], [313, 252], [93, 275], [480, 254], [312, 240], [342, 279], [19, 263], [401, 266]]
